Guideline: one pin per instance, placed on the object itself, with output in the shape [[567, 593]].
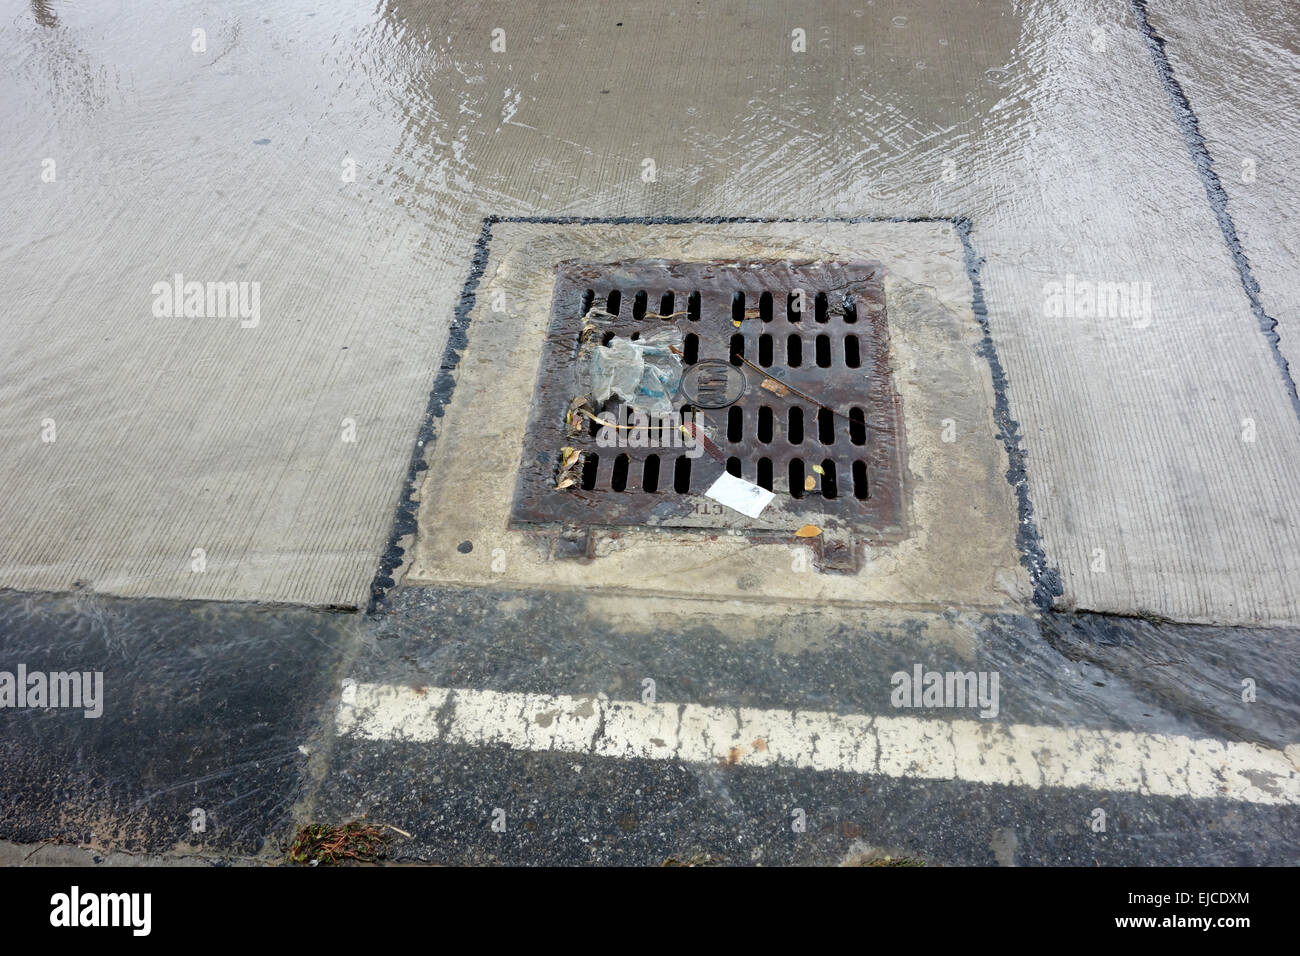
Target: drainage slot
[[830, 488], [861, 491], [682, 476], [690, 348], [825, 426], [737, 349], [650, 474], [796, 478], [618, 481], [794, 351], [857, 426], [763, 438], [795, 430], [823, 351]]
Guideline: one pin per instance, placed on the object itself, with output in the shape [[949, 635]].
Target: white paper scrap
[[748, 499]]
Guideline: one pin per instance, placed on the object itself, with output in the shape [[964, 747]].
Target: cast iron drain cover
[[813, 399]]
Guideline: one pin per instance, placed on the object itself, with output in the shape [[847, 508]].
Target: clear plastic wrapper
[[644, 373]]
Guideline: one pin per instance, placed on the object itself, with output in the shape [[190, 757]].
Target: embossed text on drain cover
[[817, 420]]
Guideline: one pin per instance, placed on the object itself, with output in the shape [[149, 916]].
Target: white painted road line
[[976, 751]]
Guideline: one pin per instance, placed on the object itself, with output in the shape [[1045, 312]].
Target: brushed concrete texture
[[230, 165], [1246, 97]]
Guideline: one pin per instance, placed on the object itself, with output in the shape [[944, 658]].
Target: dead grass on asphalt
[[323, 844]]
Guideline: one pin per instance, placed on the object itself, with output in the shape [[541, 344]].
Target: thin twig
[[804, 396], [648, 315], [39, 848]]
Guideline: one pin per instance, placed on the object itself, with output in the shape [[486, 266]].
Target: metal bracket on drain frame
[[837, 555], [572, 544]]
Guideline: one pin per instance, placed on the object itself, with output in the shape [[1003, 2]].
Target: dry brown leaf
[[775, 387], [570, 456], [566, 483], [809, 483], [808, 531]]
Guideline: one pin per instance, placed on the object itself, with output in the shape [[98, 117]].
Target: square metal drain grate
[[800, 402]]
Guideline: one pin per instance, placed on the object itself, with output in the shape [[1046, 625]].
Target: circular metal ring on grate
[[713, 383]]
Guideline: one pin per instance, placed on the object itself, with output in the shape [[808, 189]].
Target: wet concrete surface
[[1245, 99], [1068, 142], [227, 157]]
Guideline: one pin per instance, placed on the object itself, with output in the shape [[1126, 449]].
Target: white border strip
[[1018, 755]]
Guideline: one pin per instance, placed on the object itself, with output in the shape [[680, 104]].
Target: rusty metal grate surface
[[834, 352]]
